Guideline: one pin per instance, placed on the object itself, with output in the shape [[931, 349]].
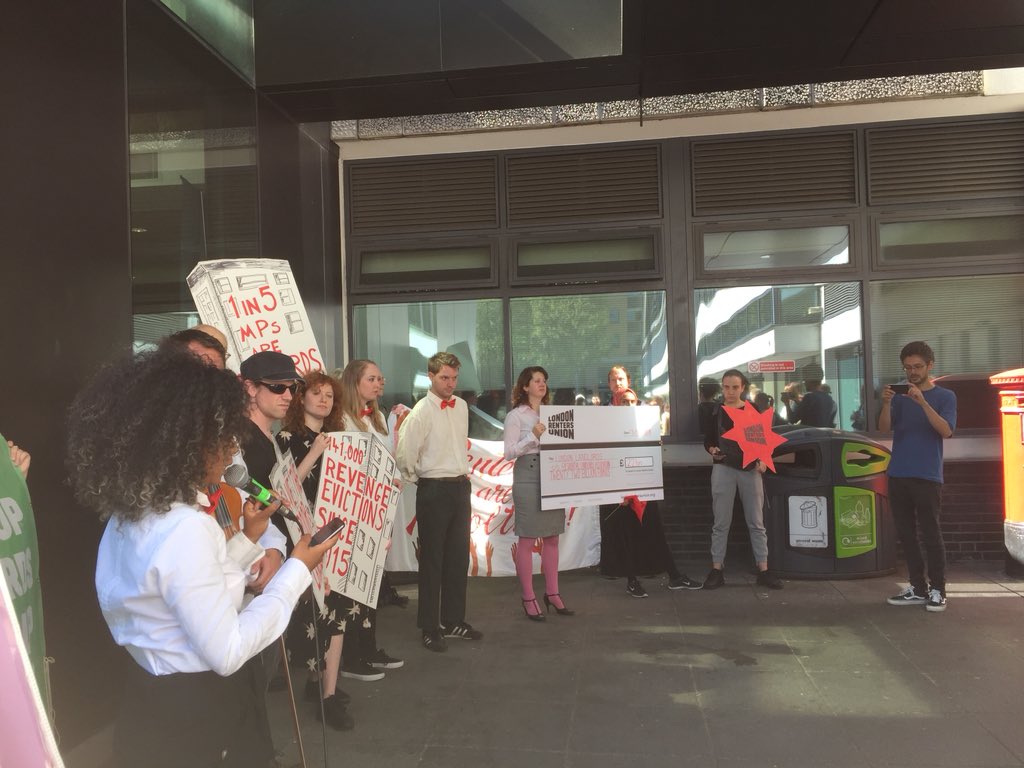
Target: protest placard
[[357, 484], [284, 478], [256, 304], [595, 455], [492, 525]]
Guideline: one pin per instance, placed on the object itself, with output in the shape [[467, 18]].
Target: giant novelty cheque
[[256, 304], [595, 455], [357, 484]]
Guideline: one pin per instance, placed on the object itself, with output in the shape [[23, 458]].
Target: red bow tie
[[366, 411], [447, 403]]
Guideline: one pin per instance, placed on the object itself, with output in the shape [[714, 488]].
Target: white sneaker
[[936, 601]]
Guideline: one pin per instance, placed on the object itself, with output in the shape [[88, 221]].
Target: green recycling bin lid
[[863, 459]]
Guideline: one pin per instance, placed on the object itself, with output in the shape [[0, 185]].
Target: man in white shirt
[[432, 453]]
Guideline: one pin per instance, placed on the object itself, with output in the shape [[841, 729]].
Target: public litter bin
[[827, 514], [1011, 408]]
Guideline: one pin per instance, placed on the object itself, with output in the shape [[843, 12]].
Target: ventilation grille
[[425, 196], [774, 174], [598, 185], [965, 161]]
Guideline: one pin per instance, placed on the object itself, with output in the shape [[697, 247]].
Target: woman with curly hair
[[523, 429], [147, 435], [362, 385], [315, 411]]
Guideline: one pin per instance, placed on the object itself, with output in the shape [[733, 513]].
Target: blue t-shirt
[[916, 446]]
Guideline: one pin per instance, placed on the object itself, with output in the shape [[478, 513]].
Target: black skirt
[[193, 720]]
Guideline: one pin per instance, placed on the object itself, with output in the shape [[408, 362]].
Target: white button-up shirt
[[170, 588], [519, 437], [433, 442]]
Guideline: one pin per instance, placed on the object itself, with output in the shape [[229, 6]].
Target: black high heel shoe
[[563, 611], [538, 616]]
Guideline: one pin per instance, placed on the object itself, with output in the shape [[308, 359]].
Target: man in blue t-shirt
[[920, 420]]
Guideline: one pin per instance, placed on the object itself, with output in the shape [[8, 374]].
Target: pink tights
[[548, 564]]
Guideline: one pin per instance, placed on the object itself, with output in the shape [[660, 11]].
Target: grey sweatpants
[[725, 481]]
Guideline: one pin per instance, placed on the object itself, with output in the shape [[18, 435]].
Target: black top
[[816, 409], [718, 424], [299, 443], [260, 457]]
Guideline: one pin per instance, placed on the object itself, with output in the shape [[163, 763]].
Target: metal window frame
[[355, 260], [653, 233], [944, 267], [821, 273]]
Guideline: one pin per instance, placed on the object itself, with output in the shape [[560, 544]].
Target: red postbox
[[1011, 407]]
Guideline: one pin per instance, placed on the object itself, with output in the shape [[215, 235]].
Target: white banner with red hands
[[492, 539]]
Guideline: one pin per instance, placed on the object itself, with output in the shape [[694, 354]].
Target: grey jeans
[[725, 481]]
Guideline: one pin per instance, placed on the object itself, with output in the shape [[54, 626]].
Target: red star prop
[[753, 432]]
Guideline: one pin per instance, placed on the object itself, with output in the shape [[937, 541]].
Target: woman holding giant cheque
[[147, 437], [523, 429]]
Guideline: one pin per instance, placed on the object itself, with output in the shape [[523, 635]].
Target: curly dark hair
[[142, 431], [519, 396], [294, 420]]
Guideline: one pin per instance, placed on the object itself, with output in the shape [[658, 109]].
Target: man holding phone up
[[920, 420]]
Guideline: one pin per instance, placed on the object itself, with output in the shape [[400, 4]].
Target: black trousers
[[194, 720], [442, 515], [915, 505]]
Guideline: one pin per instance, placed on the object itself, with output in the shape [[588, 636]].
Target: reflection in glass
[[401, 337], [975, 326], [974, 240], [578, 338], [192, 161], [776, 248], [777, 335]]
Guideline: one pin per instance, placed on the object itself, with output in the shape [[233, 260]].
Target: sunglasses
[[279, 389]]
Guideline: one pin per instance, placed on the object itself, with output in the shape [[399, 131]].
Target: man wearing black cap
[[270, 380]]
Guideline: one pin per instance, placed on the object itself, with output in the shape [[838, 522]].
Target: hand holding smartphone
[[900, 389], [328, 529]]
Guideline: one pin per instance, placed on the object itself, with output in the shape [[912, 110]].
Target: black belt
[[459, 479]]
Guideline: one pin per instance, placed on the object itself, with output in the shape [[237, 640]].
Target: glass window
[[192, 160], [585, 259], [788, 340], [793, 248], [578, 338], [975, 326], [960, 242], [425, 265], [401, 337]]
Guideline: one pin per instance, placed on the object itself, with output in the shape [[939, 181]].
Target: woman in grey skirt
[[523, 429]]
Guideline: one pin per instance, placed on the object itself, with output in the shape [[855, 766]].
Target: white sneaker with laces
[[936, 601]]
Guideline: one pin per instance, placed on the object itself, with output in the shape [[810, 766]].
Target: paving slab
[[821, 673]]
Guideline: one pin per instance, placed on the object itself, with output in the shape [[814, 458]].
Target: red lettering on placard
[[269, 299]]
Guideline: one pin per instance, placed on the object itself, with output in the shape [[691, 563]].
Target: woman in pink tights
[[523, 429]]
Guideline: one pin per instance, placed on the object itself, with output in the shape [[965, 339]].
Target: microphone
[[236, 476]]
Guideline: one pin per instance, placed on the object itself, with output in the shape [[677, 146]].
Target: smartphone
[[327, 530], [900, 389]]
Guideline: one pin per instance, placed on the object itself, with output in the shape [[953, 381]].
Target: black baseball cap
[[269, 366]]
